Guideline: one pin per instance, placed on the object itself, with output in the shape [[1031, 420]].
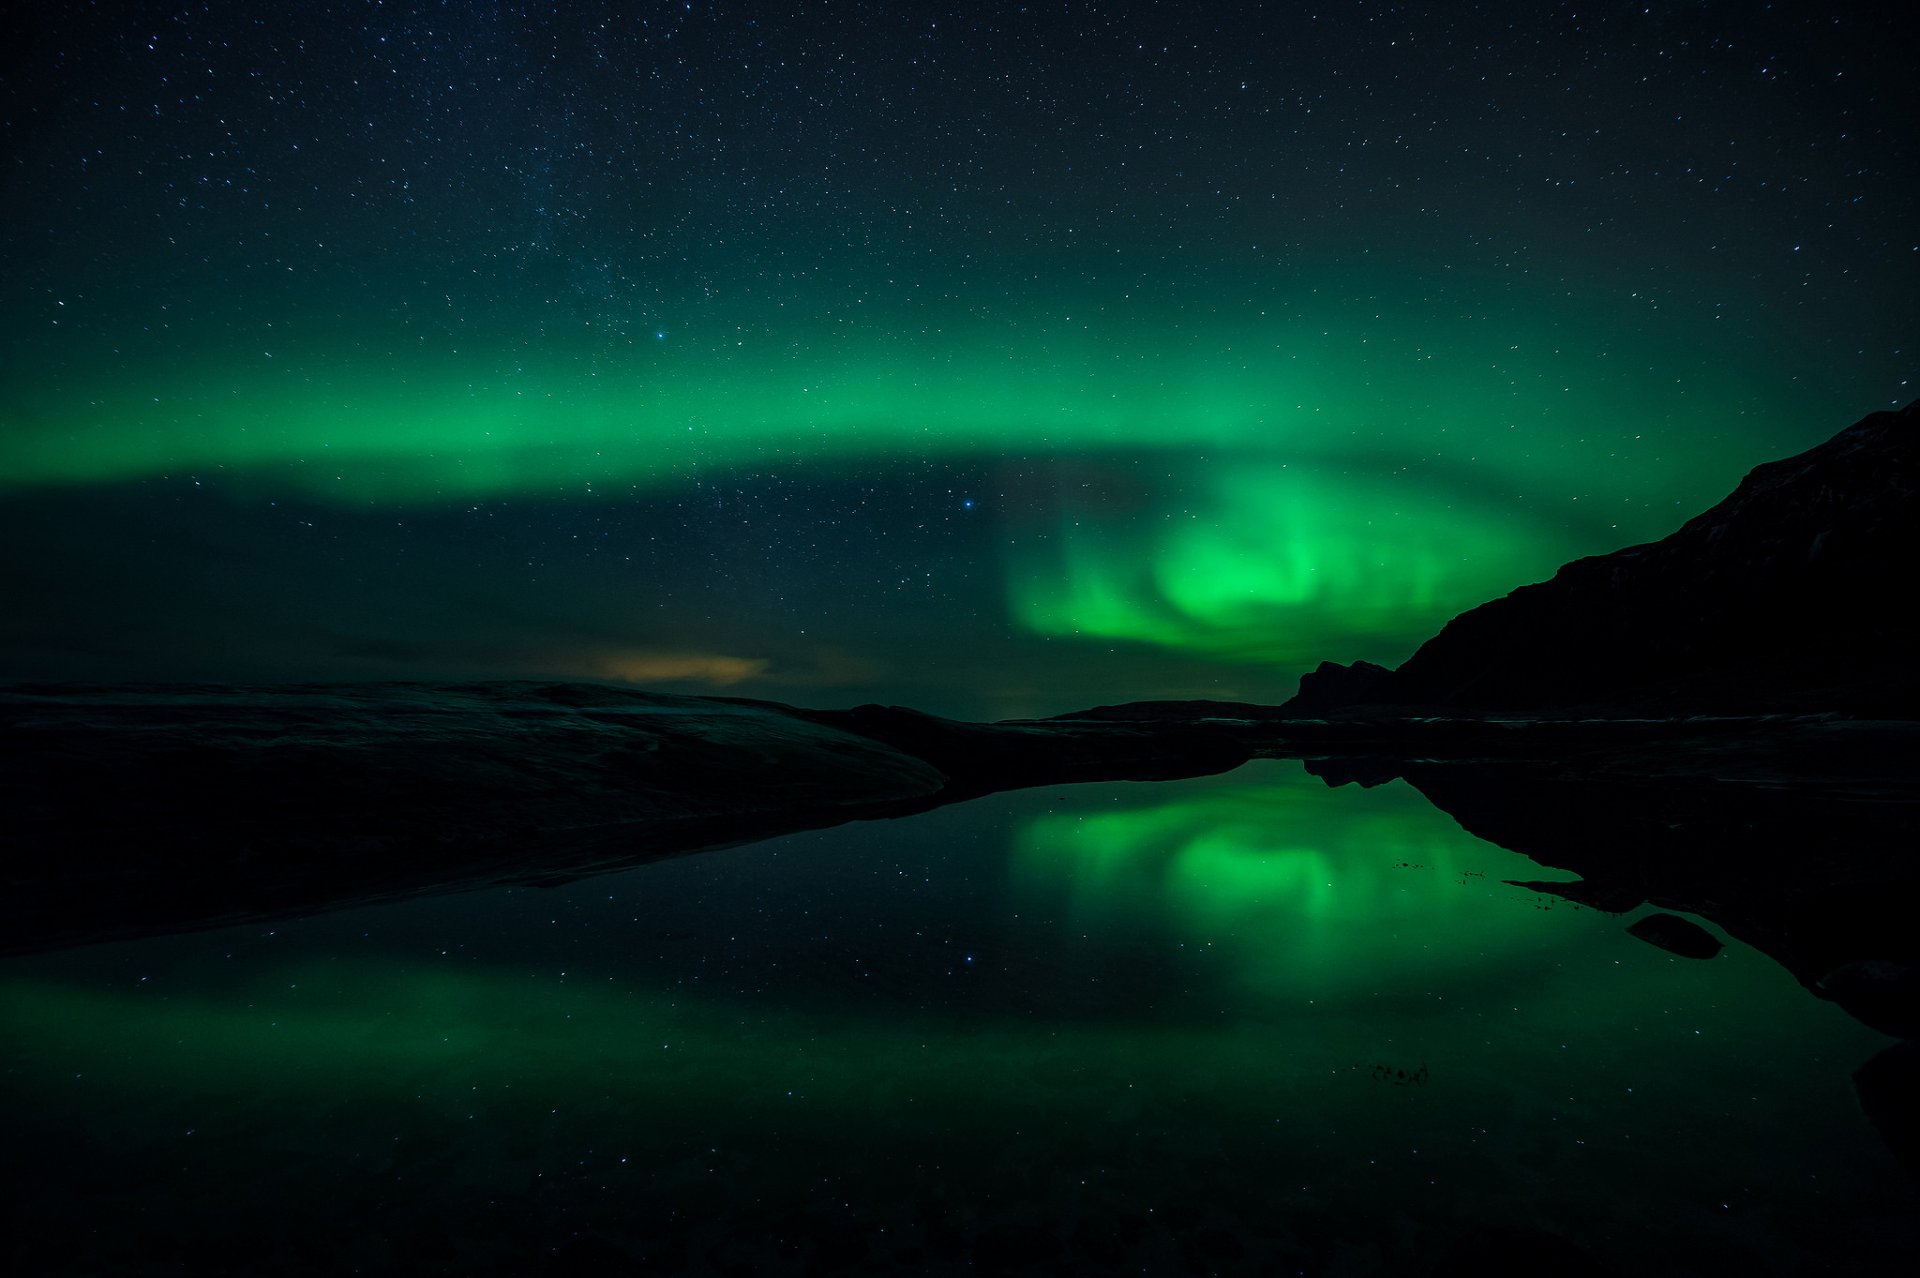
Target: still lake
[[1244, 1023]]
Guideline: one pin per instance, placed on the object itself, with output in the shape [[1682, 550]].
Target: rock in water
[[1676, 936], [1883, 994], [1359, 770], [1889, 1091]]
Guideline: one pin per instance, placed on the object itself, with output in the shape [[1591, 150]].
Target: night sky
[[992, 359]]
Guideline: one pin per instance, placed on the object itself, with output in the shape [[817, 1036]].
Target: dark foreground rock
[[132, 810], [1817, 873], [1883, 994], [1676, 935], [980, 758], [1889, 1091], [1804, 854]]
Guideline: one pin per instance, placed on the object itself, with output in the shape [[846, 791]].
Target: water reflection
[[1300, 896], [1160, 1026]]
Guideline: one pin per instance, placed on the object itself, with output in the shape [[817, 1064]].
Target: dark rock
[[1333, 686], [1676, 935], [1608, 898], [141, 809], [1817, 874], [1882, 994], [979, 758], [1889, 1090], [1192, 711], [1361, 771]]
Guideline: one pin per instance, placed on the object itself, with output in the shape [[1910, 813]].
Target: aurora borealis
[[996, 360]]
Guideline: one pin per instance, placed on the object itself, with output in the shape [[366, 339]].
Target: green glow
[[376, 414], [1333, 461], [1300, 898], [1262, 563]]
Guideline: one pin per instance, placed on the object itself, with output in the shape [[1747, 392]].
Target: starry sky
[[994, 359]]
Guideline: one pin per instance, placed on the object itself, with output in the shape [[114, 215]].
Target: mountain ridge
[[1782, 597]]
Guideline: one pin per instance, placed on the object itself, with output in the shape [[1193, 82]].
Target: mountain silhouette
[[1793, 595]]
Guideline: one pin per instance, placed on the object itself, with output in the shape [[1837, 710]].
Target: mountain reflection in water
[[1226, 1024]]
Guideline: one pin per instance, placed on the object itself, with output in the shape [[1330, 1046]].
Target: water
[[1237, 1024]]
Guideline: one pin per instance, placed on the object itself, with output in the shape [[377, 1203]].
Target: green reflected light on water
[[1301, 906], [1150, 1018]]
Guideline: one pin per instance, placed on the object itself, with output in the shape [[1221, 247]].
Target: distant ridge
[[1796, 594]]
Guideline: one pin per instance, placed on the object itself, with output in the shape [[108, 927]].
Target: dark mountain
[[1795, 594]]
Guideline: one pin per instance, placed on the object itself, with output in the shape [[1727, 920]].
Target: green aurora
[[1155, 356], [1315, 478], [1397, 381]]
